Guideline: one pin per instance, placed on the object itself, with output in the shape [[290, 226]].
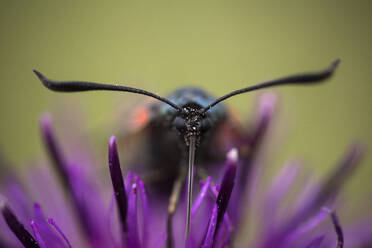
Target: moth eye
[[206, 125], [179, 124]]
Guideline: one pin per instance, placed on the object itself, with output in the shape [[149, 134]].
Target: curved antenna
[[75, 86], [305, 78]]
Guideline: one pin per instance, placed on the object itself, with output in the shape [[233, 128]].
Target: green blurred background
[[217, 45]]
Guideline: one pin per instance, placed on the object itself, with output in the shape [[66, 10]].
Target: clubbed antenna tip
[[78, 86], [298, 79]]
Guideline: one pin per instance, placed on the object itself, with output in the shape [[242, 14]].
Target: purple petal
[[343, 171], [266, 109], [54, 201], [145, 212], [214, 193], [18, 197], [200, 197], [209, 237], [37, 234], [223, 198], [315, 243], [278, 189], [54, 151], [160, 243], [17, 228], [326, 192], [41, 226], [227, 186], [251, 148], [59, 161], [332, 185], [309, 225], [110, 218], [128, 182], [132, 236], [73, 182], [53, 224], [118, 183]]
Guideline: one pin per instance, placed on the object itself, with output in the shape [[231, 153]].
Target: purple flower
[[78, 208]]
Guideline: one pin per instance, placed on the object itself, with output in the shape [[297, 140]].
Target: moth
[[188, 121]]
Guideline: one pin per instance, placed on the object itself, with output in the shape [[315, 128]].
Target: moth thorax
[[193, 123]]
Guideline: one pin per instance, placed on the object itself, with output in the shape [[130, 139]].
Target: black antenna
[[305, 78], [75, 86], [190, 176]]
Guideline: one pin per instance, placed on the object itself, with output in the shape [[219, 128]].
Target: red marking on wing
[[141, 118]]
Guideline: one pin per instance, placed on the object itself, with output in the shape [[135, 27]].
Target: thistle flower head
[[74, 209]]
